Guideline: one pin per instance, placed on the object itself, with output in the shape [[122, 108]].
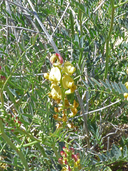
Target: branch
[[84, 116], [98, 109]]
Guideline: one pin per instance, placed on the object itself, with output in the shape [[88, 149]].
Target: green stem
[[55, 150], [1, 98], [63, 91], [120, 4], [81, 31], [80, 20], [28, 144], [5, 137], [108, 38], [28, 135]]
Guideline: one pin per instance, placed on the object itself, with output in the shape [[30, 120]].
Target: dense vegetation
[[93, 36]]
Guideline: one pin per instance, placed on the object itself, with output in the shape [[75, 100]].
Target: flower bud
[[60, 160], [3, 77], [72, 149], [69, 168], [66, 162], [59, 58], [75, 157], [62, 153]]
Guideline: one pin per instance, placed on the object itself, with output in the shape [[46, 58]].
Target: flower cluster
[[69, 160], [62, 84], [126, 84]]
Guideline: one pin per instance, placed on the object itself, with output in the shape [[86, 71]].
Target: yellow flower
[[64, 169], [67, 82], [75, 104], [71, 115], [64, 118], [56, 93], [57, 118], [70, 125], [125, 95], [53, 58], [74, 110], [71, 90], [57, 57], [58, 125], [77, 163], [46, 76], [127, 70], [56, 109], [126, 84], [66, 102], [68, 68], [55, 74]]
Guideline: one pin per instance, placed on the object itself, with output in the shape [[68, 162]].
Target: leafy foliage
[[84, 33]]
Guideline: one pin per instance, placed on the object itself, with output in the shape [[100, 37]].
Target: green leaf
[[107, 82], [87, 86], [72, 23], [104, 84], [125, 152], [116, 152], [117, 88], [93, 79], [10, 93], [91, 82]]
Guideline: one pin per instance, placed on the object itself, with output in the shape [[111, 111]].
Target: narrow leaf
[[107, 82], [104, 84], [117, 88], [93, 79]]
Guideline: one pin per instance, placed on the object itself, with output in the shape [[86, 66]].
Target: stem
[[63, 93], [80, 20], [1, 98], [80, 36], [108, 38], [55, 150], [84, 117], [29, 144]]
